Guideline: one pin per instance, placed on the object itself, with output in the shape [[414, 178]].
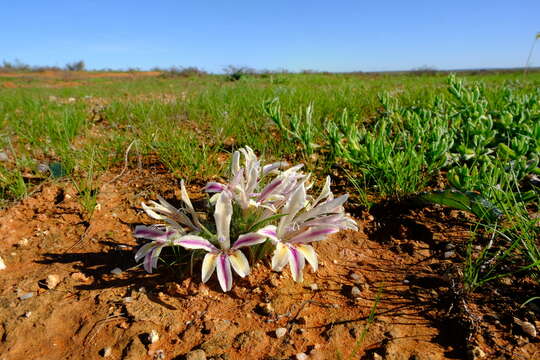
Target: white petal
[[222, 216], [145, 249], [309, 253], [239, 263], [280, 257], [235, 165], [295, 203], [208, 266]]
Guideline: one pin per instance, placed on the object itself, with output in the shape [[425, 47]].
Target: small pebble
[[127, 299], [27, 314], [449, 254], [116, 271], [43, 168], [51, 281], [25, 296], [4, 156], [527, 327], [355, 276], [153, 337], [477, 353], [196, 355], [355, 291], [280, 332], [23, 242], [105, 352], [159, 355], [301, 356], [335, 262], [78, 276], [2, 264], [314, 287]]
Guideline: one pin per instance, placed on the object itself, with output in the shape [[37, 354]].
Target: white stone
[[301, 356], [116, 271], [105, 352], [280, 332], [25, 296], [314, 287], [355, 291], [2, 264], [51, 281], [153, 337]]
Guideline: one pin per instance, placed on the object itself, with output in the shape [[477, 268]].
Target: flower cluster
[[261, 204]]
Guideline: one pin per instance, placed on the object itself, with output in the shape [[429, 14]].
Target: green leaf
[[57, 170], [467, 201], [265, 222]]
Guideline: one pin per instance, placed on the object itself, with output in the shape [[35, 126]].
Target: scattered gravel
[[280, 332]]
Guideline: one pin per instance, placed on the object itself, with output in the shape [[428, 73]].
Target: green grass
[[390, 135]]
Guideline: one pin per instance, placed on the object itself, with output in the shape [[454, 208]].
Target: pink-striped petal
[[224, 272], [155, 256], [316, 233], [208, 266], [214, 187], [268, 189], [145, 249], [239, 263], [148, 262], [323, 208], [271, 167], [269, 231], [249, 239], [195, 242], [309, 253], [296, 263], [151, 233], [280, 257]]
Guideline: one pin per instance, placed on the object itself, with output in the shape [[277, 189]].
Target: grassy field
[[389, 137]]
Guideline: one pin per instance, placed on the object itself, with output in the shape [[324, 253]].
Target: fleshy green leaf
[[467, 201]]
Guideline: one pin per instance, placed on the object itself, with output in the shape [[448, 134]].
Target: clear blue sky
[[321, 35]]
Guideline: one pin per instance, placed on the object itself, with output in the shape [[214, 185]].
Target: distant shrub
[[16, 65], [424, 70], [175, 71], [235, 73], [75, 66]]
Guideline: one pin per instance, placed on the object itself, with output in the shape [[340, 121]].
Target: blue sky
[[295, 35]]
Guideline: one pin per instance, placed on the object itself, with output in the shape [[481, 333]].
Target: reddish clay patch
[[394, 264]]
